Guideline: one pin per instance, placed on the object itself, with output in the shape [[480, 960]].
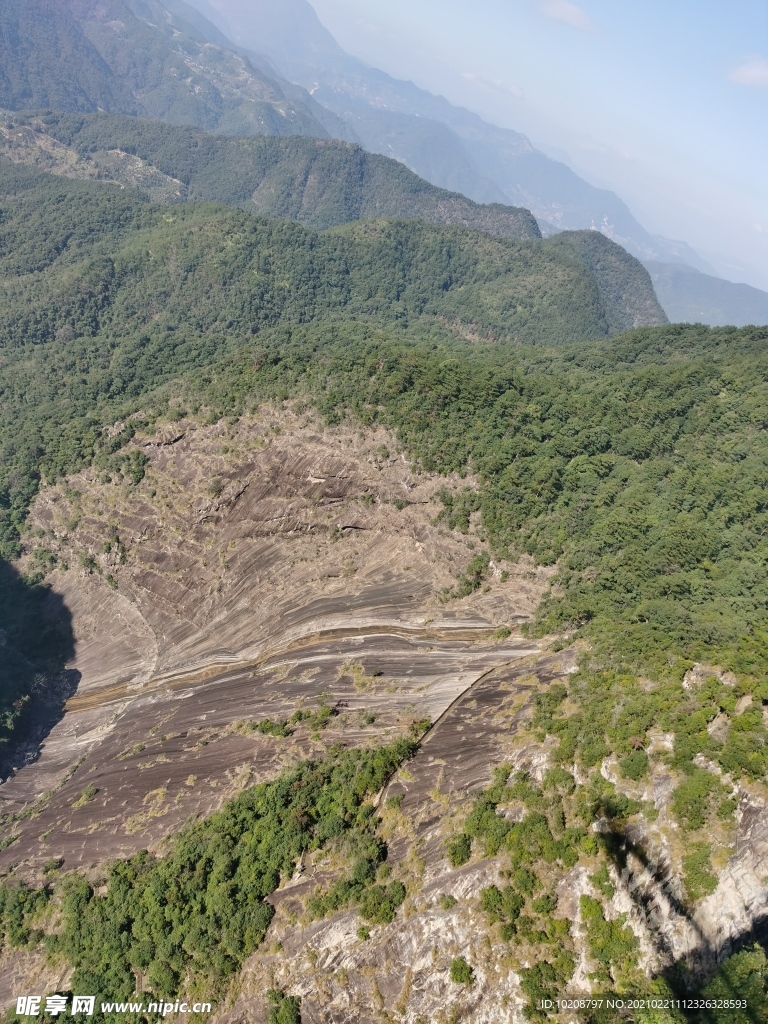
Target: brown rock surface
[[254, 567], [402, 972]]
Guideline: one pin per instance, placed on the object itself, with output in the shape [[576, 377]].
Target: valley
[[250, 603]]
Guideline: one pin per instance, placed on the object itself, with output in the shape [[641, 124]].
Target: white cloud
[[752, 72], [569, 13]]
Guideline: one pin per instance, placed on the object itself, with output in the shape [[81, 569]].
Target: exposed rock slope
[[251, 569]]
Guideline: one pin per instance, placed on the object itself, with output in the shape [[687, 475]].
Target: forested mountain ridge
[[86, 265], [137, 57], [532, 289], [320, 183]]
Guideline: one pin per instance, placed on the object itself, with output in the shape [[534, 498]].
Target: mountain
[[171, 62], [289, 734], [533, 290], [320, 183], [689, 296], [382, 629], [46, 60], [447, 145], [139, 57], [108, 298]]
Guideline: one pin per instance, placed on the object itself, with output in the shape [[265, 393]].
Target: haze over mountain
[[456, 149], [188, 74], [688, 295], [662, 103], [445, 144]]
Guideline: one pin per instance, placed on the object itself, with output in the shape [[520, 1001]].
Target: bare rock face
[[254, 567], [739, 905]]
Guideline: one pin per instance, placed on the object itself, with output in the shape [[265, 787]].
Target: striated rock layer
[[253, 568]]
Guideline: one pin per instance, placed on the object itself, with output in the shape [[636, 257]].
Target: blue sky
[[665, 102]]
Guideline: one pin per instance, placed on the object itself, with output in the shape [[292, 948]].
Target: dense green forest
[[318, 182]]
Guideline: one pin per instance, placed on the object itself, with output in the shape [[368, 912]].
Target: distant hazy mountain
[[692, 297], [140, 57], [320, 183], [447, 145]]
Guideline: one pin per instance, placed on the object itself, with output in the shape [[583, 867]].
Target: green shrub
[[743, 976], [612, 945], [602, 881], [635, 765], [544, 904], [269, 728], [692, 798], [459, 850], [379, 903], [461, 972], [697, 873], [86, 796], [526, 881], [19, 906], [504, 905], [727, 808], [283, 1009]]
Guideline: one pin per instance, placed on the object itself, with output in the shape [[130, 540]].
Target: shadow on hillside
[[686, 980], [36, 642]]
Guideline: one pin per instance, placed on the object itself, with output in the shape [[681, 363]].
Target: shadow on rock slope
[[36, 642]]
